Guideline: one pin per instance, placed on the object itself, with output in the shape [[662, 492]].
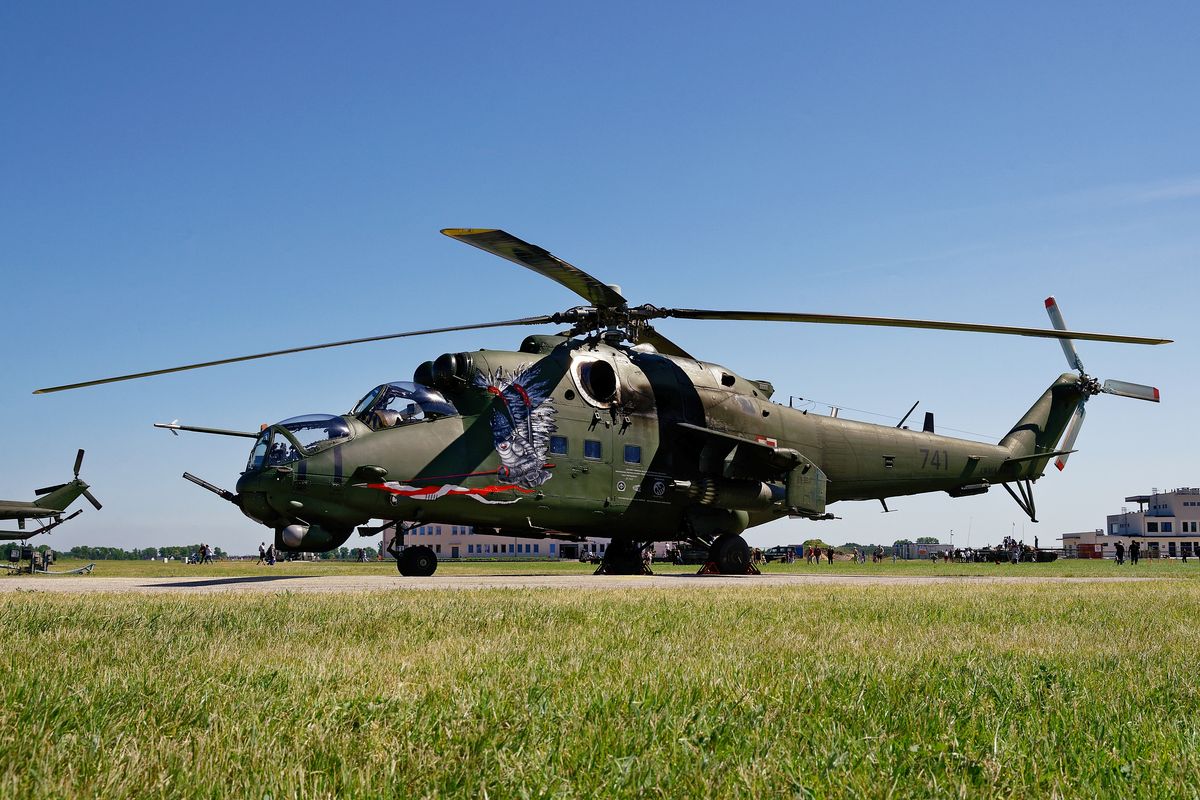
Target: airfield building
[[1167, 524], [461, 541]]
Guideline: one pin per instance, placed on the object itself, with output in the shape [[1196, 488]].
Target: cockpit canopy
[[300, 436], [400, 403]]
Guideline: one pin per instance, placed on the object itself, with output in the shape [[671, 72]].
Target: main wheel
[[622, 557], [419, 561], [732, 554]]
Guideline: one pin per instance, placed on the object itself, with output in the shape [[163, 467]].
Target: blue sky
[[180, 184]]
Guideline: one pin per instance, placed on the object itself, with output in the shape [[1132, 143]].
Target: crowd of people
[[266, 554], [203, 555], [1134, 550]]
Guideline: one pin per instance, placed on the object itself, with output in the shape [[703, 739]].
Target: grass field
[[1029, 690], [1160, 568]]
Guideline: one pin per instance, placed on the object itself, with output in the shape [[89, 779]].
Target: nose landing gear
[[416, 561]]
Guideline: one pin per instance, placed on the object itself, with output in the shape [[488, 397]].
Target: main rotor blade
[[662, 344], [1068, 445], [523, 321], [1068, 347], [78, 461], [92, 499], [896, 322], [1137, 391], [530, 256]]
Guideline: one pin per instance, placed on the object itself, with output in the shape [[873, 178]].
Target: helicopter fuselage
[[579, 437]]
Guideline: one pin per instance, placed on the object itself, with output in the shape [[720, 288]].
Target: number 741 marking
[[935, 459]]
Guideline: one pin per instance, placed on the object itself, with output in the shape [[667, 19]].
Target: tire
[[623, 557], [732, 554], [420, 562]]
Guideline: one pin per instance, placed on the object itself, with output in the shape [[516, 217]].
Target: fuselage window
[[558, 445], [591, 449], [633, 454]]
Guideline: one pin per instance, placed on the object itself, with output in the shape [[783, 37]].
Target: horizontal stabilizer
[[1038, 456]]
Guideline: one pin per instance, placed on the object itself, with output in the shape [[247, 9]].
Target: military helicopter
[[48, 508], [608, 428]]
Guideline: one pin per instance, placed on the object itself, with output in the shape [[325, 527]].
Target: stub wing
[[742, 457]]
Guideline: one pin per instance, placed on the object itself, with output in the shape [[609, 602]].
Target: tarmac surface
[[260, 584]]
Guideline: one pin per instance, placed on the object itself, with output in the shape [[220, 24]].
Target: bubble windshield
[[400, 403], [307, 435]]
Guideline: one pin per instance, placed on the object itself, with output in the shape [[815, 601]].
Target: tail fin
[[1040, 430], [58, 498]]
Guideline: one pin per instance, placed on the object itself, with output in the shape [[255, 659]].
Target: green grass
[[950, 690], [1063, 568]]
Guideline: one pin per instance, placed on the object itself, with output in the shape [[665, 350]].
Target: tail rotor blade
[[1072, 434], [92, 499], [1068, 346], [1137, 391], [78, 461]]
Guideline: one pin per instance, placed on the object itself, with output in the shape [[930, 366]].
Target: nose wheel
[[419, 561]]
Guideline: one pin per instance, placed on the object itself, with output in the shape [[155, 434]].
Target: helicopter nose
[[252, 498]]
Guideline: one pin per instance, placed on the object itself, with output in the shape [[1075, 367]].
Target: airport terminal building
[[461, 541], [1167, 524]]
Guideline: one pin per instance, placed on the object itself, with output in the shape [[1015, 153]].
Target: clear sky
[[179, 183]]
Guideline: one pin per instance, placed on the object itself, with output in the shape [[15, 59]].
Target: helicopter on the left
[[48, 509]]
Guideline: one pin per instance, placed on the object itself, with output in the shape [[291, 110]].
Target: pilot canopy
[[401, 403]]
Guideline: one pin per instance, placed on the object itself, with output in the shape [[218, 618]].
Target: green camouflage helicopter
[[48, 508], [611, 429]]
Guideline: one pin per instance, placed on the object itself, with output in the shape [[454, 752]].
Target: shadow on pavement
[[227, 581]]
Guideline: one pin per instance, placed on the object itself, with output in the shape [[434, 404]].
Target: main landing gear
[[729, 555], [623, 557]]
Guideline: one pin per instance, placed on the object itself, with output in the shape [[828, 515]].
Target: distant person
[[271, 554], [1120, 548], [829, 553], [262, 554], [1135, 550]]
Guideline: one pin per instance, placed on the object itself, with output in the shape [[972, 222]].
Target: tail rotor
[[1089, 385]]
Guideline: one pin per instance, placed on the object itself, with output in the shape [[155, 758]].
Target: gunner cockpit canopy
[[292, 439]]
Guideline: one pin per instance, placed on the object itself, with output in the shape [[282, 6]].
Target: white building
[[1167, 525], [461, 542]]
